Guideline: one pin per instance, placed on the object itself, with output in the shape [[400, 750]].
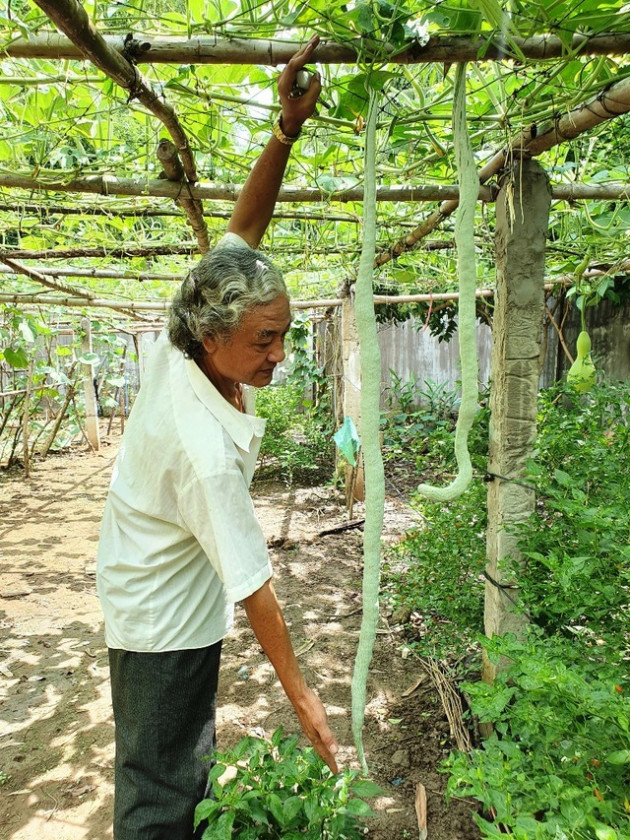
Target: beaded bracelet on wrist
[[279, 134]]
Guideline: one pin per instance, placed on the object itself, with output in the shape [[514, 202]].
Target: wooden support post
[[522, 218], [351, 361], [26, 416], [91, 408]]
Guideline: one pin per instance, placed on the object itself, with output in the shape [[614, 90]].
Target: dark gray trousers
[[164, 714]]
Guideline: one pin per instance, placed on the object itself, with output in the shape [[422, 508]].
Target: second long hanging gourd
[[370, 442], [468, 181]]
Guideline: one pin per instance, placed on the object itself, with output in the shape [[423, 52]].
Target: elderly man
[[180, 543]]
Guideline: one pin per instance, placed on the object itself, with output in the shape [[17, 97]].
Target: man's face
[[254, 350]]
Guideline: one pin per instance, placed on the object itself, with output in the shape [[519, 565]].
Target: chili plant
[[266, 789]]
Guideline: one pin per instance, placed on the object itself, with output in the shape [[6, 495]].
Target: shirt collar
[[242, 428]]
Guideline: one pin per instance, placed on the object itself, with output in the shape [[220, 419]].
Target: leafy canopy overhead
[[65, 120]]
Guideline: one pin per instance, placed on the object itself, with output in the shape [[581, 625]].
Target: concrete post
[[91, 409], [521, 224]]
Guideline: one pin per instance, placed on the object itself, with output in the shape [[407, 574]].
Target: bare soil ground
[[56, 729]]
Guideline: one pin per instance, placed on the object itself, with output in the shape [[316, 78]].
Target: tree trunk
[[522, 217]]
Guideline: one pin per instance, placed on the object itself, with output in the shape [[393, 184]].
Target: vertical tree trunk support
[[522, 218]]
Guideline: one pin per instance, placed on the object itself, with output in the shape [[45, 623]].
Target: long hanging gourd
[[468, 180], [370, 420]]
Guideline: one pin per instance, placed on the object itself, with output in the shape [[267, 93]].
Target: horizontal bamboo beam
[[151, 212], [187, 249], [324, 303], [150, 49], [133, 306], [595, 270], [144, 276], [109, 185]]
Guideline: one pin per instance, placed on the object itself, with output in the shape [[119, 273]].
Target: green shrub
[[577, 544], [298, 445], [295, 447], [558, 762], [275, 789], [436, 571]]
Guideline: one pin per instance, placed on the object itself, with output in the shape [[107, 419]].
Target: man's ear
[[209, 344]]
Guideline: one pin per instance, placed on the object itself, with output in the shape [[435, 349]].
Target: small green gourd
[[582, 372]]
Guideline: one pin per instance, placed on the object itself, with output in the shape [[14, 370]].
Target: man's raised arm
[[254, 207]]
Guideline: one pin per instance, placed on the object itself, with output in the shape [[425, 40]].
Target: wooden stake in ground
[[26, 418], [91, 407], [421, 811]]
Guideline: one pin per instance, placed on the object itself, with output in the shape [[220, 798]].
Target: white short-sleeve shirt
[[180, 542]]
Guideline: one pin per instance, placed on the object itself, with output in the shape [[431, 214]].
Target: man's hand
[[313, 720], [297, 109], [265, 616]]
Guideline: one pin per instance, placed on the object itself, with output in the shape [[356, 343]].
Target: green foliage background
[[63, 120]]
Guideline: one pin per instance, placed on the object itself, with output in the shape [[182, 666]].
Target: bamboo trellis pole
[[150, 212], [151, 49], [597, 270], [110, 185], [323, 303], [55, 285], [185, 249], [168, 156]]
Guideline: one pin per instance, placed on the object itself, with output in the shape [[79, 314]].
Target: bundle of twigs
[[451, 703]]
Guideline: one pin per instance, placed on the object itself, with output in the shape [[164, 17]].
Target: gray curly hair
[[225, 284]]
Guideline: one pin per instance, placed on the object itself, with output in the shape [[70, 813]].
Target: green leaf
[[274, 803], [366, 789], [276, 738], [619, 757], [115, 381], [26, 331], [206, 809], [605, 832], [357, 808], [16, 358], [563, 478], [292, 808], [220, 829], [216, 772]]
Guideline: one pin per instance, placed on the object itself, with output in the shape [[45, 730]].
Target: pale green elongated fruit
[[581, 374], [468, 180], [370, 421]]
